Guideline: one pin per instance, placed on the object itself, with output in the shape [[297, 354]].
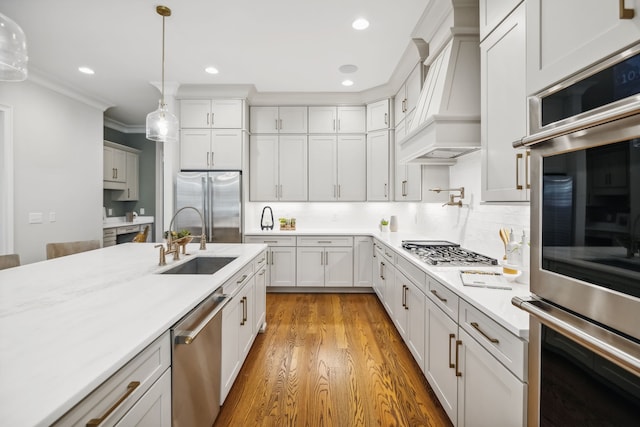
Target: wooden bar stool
[[56, 250], [8, 261]]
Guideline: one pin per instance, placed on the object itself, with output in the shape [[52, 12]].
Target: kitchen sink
[[200, 265], [617, 262]]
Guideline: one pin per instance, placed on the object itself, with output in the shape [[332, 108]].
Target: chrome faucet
[[203, 237]]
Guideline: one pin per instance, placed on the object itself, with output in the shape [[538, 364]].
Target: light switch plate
[[35, 217], [52, 217], [141, 211]]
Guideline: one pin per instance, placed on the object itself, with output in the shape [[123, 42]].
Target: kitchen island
[[68, 324]]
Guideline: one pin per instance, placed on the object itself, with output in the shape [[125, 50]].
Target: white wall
[[475, 226], [57, 144]]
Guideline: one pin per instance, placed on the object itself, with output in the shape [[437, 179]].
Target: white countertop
[[68, 324], [495, 303], [121, 221]]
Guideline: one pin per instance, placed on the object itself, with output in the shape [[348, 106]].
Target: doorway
[[6, 179]]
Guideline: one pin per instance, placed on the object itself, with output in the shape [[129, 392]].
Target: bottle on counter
[[512, 250]]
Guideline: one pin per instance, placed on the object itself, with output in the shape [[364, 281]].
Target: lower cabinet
[[154, 408], [280, 259], [325, 261], [362, 261], [409, 315]]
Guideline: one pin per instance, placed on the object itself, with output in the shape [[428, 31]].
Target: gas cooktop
[[444, 253]]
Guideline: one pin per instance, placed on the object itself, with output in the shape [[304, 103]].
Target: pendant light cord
[[162, 94]]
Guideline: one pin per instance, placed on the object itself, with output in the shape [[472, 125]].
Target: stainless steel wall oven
[[584, 350]]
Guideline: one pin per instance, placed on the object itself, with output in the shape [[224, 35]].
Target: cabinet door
[[378, 166], [282, 261], [322, 168], [492, 12], [378, 115], [120, 165], [108, 172], [264, 120], [322, 119], [440, 366], [503, 395], [416, 305], [292, 120], [263, 159], [388, 282], [230, 347], [260, 299], [293, 168], [311, 260], [195, 149], [413, 86], [352, 168], [413, 187], [338, 266], [195, 113], [153, 409], [352, 119], [400, 305], [376, 273], [130, 193], [247, 332], [399, 101], [226, 114], [363, 261], [503, 110], [226, 149], [567, 36]]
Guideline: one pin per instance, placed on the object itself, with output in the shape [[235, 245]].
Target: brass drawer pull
[[518, 158], [133, 385], [244, 276], [458, 344], [477, 328], [626, 13], [433, 291], [451, 336]]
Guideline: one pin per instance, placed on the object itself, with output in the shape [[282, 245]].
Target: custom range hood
[[446, 122]]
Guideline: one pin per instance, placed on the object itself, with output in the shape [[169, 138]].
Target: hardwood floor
[[330, 360]]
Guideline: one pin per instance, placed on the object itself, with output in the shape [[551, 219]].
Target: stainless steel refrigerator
[[218, 196]]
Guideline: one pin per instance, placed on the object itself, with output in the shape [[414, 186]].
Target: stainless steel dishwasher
[[195, 369]]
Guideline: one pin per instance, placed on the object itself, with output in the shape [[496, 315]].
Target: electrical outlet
[[52, 217], [35, 217], [141, 211], [110, 212]]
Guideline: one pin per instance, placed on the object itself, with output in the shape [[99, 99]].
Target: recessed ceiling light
[[348, 68], [86, 70], [347, 83], [211, 70], [360, 24]]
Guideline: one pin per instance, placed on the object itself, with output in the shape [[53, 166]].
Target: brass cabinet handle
[[276, 124], [458, 344], [433, 291], [451, 336], [527, 160], [244, 276], [385, 191], [382, 270], [518, 185], [626, 13], [245, 309], [334, 124], [133, 385], [477, 328], [262, 272], [386, 122], [406, 306], [325, 242]]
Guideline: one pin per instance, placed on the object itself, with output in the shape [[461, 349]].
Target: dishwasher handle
[[187, 337]]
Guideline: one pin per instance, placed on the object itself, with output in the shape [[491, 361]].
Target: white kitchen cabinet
[[409, 317], [132, 183], [408, 183], [260, 308], [406, 98], [280, 259], [278, 168], [378, 166], [325, 261], [337, 168], [362, 261], [493, 12], [278, 119], [564, 37], [219, 149], [505, 171], [211, 114], [346, 119], [114, 170], [154, 407], [386, 278], [378, 115]]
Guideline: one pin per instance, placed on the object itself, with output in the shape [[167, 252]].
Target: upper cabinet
[[278, 119], [503, 111], [216, 149], [378, 115], [493, 12], [378, 166], [133, 181], [406, 99], [120, 171], [566, 36], [213, 114], [327, 119]]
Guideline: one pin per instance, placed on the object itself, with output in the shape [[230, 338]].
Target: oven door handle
[[607, 344]]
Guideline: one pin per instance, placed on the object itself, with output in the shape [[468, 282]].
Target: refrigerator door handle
[[210, 211]]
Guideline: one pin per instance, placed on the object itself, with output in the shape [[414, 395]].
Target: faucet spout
[[203, 237]]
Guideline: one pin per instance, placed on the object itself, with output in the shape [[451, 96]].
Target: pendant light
[[162, 125], [13, 51]]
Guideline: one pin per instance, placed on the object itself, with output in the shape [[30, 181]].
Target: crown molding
[[121, 127]]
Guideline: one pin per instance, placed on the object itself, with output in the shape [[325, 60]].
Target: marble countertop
[[68, 324], [121, 221], [495, 303]]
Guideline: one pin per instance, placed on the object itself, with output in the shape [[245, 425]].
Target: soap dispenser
[[266, 223]]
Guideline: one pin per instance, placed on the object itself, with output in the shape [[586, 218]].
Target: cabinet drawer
[[122, 390], [260, 261], [272, 240], [416, 275], [109, 232], [236, 282], [128, 229], [444, 298], [503, 345], [325, 241], [386, 253]]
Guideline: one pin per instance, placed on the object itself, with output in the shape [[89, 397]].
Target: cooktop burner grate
[[443, 253]]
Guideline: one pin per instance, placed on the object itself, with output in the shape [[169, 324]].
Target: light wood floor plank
[[330, 360]]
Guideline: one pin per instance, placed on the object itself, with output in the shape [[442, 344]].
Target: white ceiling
[[276, 45]]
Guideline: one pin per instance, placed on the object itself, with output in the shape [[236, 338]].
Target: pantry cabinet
[[211, 114], [378, 166], [337, 168], [505, 171], [566, 36], [278, 168], [378, 115], [218, 149], [328, 119], [278, 119]]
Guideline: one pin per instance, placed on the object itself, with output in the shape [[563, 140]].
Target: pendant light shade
[[13, 51], [162, 125]]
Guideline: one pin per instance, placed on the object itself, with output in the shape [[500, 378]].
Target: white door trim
[[6, 179]]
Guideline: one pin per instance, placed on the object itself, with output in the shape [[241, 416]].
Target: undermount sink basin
[[617, 262], [200, 265]]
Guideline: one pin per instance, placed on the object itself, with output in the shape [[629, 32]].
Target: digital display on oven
[[591, 215]]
